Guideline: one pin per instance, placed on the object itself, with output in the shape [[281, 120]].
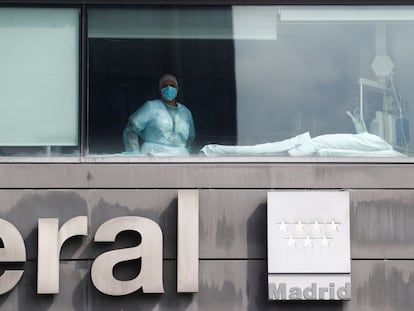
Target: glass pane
[[39, 81], [259, 81]]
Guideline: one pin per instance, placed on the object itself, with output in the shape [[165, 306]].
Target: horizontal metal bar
[[203, 160], [203, 2]]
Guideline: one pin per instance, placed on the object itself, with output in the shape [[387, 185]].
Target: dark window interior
[[124, 73]]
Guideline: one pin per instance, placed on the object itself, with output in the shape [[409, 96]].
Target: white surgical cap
[[167, 77]]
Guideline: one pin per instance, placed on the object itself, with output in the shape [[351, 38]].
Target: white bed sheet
[[329, 145]]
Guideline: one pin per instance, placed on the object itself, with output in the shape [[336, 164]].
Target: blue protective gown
[[164, 130]]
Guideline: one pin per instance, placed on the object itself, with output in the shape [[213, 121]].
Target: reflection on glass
[[38, 81], [282, 81]]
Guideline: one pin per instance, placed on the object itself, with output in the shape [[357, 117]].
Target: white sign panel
[[308, 240]]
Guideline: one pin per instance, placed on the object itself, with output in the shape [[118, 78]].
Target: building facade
[[106, 57]]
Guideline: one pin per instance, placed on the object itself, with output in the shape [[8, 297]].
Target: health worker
[[165, 126]]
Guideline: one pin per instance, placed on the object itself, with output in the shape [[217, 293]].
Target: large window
[[265, 80], [129, 50], [251, 80], [39, 81]]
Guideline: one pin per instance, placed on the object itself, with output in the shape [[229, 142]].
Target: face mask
[[169, 93]]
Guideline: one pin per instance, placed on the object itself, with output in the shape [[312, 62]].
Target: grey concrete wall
[[232, 236]]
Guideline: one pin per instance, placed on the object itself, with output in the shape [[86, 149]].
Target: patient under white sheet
[[335, 145], [279, 148]]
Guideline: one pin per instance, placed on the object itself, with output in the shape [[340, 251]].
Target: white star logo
[[309, 232], [333, 226], [316, 226], [300, 226], [307, 241], [282, 226], [291, 241], [325, 241]]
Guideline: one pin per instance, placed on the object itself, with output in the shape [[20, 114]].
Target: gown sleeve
[[136, 124]]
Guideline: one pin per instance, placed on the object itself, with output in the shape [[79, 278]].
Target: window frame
[[83, 102]]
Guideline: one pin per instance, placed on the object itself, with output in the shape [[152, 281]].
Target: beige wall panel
[[224, 285], [43, 176], [207, 175], [379, 285], [232, 222], [382, 224], [24, 207], [73, 290]]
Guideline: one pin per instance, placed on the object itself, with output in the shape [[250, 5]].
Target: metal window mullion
[[83, 83]]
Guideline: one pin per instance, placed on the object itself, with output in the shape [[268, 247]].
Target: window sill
[[202, 160]]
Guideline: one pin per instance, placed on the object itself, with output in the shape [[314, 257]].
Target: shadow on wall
[[379, 221], [396, 289]]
